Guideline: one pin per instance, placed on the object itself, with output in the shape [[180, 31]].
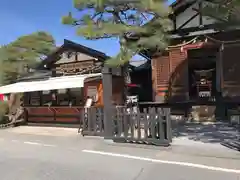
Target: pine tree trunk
[[14, 103], [127, 80]]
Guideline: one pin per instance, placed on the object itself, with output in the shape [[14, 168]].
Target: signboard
[[132, 99], [88, 103], [62, 91], [92, 91]]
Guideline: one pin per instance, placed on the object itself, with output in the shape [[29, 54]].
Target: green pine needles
[[27, 50], [226, 12], [138, 24]]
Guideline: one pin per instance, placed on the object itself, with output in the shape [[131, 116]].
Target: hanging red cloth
[[185, 48], [133, 85], [197, 45]]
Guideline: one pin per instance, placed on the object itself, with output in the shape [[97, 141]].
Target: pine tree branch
[[145, 22], [26, 50]]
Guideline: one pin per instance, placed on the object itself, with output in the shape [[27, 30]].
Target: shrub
[[3, 112]]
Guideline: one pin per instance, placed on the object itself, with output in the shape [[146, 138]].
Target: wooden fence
[[151, 126], [92, 124]]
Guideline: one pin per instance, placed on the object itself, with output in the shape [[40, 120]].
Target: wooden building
[[200, 66], [57, 91]]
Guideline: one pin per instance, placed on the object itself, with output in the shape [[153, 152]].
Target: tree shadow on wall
[[177, 89], [177, 83]]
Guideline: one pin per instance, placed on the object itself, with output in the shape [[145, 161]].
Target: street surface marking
[[32, 143], [48, 145], [201, 166], [14, 140], [39, 144]]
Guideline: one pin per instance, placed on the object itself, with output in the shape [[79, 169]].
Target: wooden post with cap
[[107, 101]]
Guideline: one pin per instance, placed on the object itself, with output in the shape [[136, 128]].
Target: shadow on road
[[219, 132]]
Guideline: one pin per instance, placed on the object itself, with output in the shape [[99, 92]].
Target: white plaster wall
[[187, 14], [81, 57]]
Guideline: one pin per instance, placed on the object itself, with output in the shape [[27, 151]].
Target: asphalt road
[[38, 154]]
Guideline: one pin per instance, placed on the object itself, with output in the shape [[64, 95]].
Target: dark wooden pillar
[[107, 101], [219, 71], [220, 108], [25, 115], [125, 74]]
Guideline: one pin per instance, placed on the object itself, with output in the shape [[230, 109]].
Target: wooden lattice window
[[162, 70]]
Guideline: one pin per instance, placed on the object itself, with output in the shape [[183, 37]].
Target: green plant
[[3, 112], [25, 52], [139, 25], [224, 11]]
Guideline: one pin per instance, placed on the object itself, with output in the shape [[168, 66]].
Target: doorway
[[142, 78], [202, 74]]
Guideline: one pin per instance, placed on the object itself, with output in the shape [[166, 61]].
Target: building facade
[[59, 89]]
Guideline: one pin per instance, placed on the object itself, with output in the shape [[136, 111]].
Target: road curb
[[8, 125]]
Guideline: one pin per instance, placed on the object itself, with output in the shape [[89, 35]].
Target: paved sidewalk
[[46, 131]]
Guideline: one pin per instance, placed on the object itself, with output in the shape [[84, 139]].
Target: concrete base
[[109, 141], [203, 113]]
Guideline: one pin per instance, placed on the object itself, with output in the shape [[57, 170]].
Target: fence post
[[146, 123], [107, 101], [168, 124], [138, 117], [89, 119], [160, 124], [94, 119], [152, 121]]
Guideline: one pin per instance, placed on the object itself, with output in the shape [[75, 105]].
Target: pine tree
[[24, 52], [226, 12], [138, 24]]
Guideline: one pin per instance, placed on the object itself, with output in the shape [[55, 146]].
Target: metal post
[[107, 101]]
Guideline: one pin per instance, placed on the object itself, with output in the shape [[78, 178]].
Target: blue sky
[[20, 17]]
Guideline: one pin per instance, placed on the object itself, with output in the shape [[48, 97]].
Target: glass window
[[26, 99], [35, 98], [46, 92], [76, 91], [76, 96], [46, 98], [62, 91], [62, 97]]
